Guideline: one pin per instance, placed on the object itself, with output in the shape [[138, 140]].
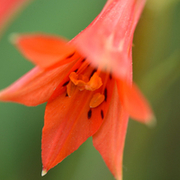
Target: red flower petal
[[7, 9], [35, 87], [109, 140], [44, 50], [134, 102], [108, 39], [69, 121]]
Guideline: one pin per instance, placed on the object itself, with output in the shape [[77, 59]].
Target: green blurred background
[[150, 153]]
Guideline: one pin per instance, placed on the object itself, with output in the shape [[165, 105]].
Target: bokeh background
[[150, 153]]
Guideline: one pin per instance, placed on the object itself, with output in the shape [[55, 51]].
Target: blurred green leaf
[[160, 78]]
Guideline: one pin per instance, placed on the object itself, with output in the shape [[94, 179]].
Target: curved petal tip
[[151, 121], [13, 38], [44, 172]]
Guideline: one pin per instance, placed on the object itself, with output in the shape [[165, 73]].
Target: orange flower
[[87, 84]]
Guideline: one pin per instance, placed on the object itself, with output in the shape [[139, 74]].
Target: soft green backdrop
[[150, 153]]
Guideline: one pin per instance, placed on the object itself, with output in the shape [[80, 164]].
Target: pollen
[[94, 83], [81, 81], [96, 100], [78, 80]]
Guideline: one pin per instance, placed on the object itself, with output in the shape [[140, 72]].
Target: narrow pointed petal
[[35, 87], [43, 50], [109, 140], [108, 39], [7, 9], [69, 121], [134, 102]]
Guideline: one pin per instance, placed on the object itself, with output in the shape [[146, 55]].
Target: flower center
[[82, 82]]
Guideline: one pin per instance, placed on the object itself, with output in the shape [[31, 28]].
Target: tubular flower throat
[[87, 84]]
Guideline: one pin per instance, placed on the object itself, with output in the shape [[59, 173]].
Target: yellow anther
[[81, 82], [96, 100], [74, 77], [94, 83]]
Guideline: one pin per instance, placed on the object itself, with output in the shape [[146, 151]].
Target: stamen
[[78, 80], [82, 82], [96, 100], [94, 83], [74, 77]]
